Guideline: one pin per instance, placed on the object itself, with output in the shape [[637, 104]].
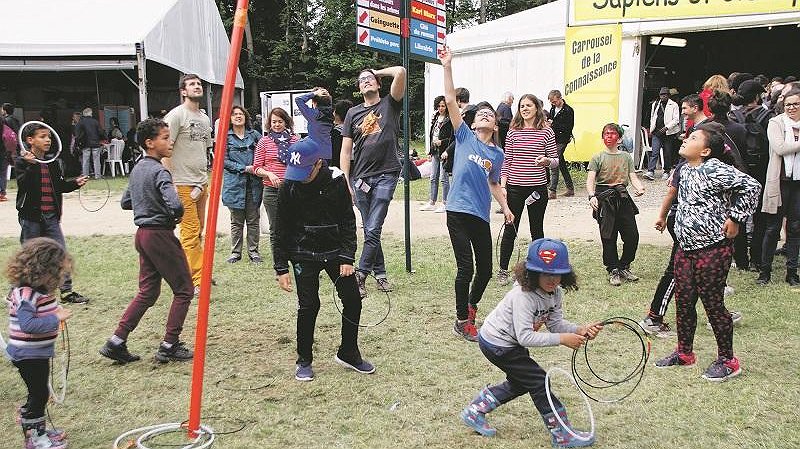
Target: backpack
[[9, 138], [756, 150]]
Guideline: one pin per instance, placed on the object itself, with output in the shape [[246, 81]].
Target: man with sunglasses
[[369, 160]]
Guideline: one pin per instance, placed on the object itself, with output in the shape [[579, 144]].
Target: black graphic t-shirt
[[375, 132]]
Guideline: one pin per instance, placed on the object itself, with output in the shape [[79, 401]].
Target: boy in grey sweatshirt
[[156, 210], [513, 326]]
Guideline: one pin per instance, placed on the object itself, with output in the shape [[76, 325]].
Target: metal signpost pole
[[404, 50]]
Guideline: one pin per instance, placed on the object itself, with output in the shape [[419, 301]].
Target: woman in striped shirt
[[269, 162], [530, 152]]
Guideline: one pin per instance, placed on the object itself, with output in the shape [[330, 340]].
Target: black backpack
[[756, 151]]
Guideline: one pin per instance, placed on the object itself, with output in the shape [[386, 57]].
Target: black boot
[[763, 278], [792, 278]]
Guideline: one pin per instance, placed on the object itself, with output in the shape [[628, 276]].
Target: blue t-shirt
[[474, 163]]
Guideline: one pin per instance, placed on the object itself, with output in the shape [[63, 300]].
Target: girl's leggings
[[703, 273]]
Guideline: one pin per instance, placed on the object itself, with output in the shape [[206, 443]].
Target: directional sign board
[[379, 26]]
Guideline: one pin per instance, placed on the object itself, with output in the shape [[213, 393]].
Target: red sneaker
[[466, 330]]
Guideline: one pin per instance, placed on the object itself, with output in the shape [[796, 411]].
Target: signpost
[[413, 29]]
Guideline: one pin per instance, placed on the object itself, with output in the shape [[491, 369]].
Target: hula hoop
[[204, 440], [108, 196], [638, 370], [498, 242], [334, 297], [58, 397], [553, 407], [23, 146]]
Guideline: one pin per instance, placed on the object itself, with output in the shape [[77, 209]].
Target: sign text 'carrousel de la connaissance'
[[589, 52], [585, 11]]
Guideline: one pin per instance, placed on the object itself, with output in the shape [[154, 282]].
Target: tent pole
[[97, 89], [141, 70]]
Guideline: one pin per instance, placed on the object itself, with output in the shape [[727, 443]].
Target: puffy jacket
[[315, 221], [29, 181], [235, 181]]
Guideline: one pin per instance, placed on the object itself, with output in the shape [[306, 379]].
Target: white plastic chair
[[647, 149], [115, 156]]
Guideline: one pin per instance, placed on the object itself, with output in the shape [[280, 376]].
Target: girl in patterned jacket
[[714, 199], [36, 271]]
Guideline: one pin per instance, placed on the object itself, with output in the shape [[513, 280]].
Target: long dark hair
[[538, 118], [529, 280]]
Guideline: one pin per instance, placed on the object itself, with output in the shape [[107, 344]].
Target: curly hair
[[529, 280], [40, 263]]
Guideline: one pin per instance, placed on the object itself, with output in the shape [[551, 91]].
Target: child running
[[36, 271], [714, 199], [607, 180], [513, 326], [156, 211], [476, 174]]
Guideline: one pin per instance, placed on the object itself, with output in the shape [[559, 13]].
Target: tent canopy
[[186, 35]]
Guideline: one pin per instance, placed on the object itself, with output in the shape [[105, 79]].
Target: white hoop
[[22, 145], [553, 407]]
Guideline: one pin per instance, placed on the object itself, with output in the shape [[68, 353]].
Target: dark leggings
[[703, 273], [666, 286], [516, 196], [469, 233], [35, 373], [523, 375]]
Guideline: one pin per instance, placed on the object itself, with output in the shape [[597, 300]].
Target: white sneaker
[[665, 176], [427, 207], [441, 209]]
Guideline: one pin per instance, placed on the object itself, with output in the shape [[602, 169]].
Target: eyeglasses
[[791, 105], [484, 113], [365, 78]]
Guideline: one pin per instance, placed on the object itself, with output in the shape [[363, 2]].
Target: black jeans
[[625, 226], [757, 239], [516, 196], [790, 208], [523, 375], [563, 167], [35, 373], [306, 275], [469, 233], [666, 286]]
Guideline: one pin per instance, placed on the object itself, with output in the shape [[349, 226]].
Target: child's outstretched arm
[[446, 57]]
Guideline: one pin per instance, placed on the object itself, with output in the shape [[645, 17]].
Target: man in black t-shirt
[[370, 138]]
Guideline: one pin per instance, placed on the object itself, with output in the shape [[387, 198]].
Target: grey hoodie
[[518, 317]]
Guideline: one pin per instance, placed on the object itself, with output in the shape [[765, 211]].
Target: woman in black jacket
[[441, 135]]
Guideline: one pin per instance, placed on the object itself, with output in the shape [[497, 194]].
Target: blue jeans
[[49, 226], [374, 205], [437, 171], [659, 142]]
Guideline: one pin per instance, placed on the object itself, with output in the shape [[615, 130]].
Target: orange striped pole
[[196, 400]]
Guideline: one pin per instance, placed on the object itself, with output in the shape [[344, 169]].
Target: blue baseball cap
[[548, 256], [302, 157]]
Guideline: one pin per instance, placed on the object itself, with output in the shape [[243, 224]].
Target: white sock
[[166, 345], [116, 341]]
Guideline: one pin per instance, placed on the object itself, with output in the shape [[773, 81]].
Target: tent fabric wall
[[187, 35]]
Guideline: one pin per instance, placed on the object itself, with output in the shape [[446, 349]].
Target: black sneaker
[[256, 259], [118, 353], [74, 297], [178, 352]]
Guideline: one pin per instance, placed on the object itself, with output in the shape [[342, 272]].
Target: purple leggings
[[703, 273]]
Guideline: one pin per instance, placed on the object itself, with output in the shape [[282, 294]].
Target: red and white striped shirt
[[523, 147], [266, 157]]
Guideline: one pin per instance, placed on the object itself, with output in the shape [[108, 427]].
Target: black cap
[[749, 90], [664, 91]]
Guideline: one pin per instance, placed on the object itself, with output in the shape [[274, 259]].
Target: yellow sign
[[613, 11], [592, 69], [378, 20]]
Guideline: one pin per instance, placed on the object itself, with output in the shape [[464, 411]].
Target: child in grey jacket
[[513, 325]]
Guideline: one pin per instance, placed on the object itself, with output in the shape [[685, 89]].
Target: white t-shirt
[[191, 132]]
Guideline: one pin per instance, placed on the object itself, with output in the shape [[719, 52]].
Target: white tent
[[59, 35], [524, 53]]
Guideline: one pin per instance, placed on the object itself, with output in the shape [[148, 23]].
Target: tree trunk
[[253, 87], [482, 18]]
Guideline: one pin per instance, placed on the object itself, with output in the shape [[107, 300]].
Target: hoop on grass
[[381, 316], [24, 147], [548, 392]]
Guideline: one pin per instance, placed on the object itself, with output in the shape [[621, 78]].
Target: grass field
[[425, 375]]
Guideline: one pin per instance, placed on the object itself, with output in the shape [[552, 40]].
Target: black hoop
[[108, 196], [359, 324]]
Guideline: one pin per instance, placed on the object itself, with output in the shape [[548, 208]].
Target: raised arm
[[398, 74], [446, 57]]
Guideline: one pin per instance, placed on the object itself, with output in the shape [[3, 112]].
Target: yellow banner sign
[[378, 20], [613, 11], [592, 69]]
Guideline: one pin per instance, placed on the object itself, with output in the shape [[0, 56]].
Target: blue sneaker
[[304, 373], [364, 367]]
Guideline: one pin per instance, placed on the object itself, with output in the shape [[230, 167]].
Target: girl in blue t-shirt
[[477, 160]]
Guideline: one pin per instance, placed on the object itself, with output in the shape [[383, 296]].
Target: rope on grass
[[636, 373]]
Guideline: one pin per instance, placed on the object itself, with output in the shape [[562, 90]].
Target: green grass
[[425, 375]]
